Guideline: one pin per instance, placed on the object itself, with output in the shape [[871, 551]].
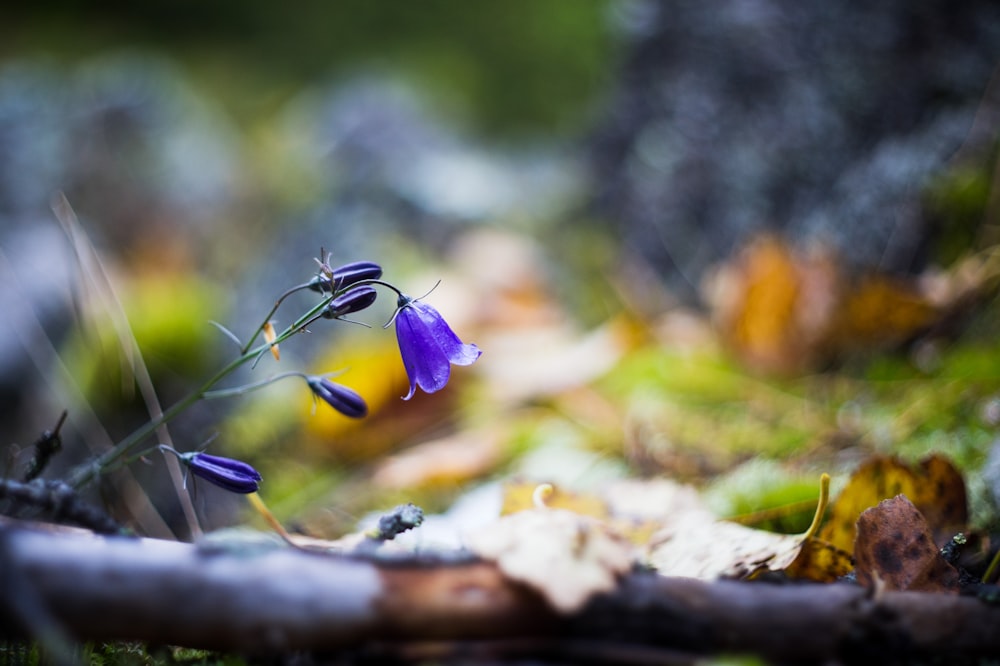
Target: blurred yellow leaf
[[933, 485]]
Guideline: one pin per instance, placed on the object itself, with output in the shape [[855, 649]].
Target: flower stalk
[[86, 472], [427, 344]]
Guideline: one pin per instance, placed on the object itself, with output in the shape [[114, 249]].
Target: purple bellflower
[[428, 346], [341, 398], [233, 475]]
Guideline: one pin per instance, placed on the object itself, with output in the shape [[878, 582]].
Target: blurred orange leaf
[[784, 310]]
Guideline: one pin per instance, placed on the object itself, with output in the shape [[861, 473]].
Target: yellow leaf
[[934, 486]]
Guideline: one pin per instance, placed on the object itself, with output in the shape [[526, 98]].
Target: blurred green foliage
[[510, 67]]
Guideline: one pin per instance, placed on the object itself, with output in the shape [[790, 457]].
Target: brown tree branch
[[268, 599]]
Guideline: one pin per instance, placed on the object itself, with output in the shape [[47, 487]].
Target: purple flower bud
[[344, 400], [350, 301], [233, 475], [428, 346], [345, 276]]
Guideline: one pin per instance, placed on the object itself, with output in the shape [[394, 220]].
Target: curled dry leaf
[[895, 546], [697, 545], [564, 556]]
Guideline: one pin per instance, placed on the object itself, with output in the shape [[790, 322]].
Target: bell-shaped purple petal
[[344, 400], [428, 346], [233, 475]]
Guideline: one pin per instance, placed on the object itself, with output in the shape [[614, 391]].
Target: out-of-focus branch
[[256, 599]]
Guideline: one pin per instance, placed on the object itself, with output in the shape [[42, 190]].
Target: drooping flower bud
[[348, 274], [344, 400], [350, 301], [233, 475]]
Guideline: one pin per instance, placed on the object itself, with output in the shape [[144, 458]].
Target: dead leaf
[[564, 556], [784, 310], [820, 561], [934, 486], [773, 306], [895, 546], [697, 545]]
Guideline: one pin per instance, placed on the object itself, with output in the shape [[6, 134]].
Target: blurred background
[[738, 243]]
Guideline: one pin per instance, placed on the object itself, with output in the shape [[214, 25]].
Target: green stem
[[270, 314], [86, 472], [247, 388]]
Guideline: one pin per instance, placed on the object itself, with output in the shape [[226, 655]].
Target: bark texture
[[266, 600]]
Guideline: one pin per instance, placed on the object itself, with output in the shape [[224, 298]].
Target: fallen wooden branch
[[259, 600]]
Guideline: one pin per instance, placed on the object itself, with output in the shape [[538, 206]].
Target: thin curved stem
[[86, 472], [247, 388], [267, 318]]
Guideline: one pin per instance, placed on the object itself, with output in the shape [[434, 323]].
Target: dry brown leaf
[[701, 547], [564, 556], [697, 545], [895, 546], [934, 486], [674, 532]]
